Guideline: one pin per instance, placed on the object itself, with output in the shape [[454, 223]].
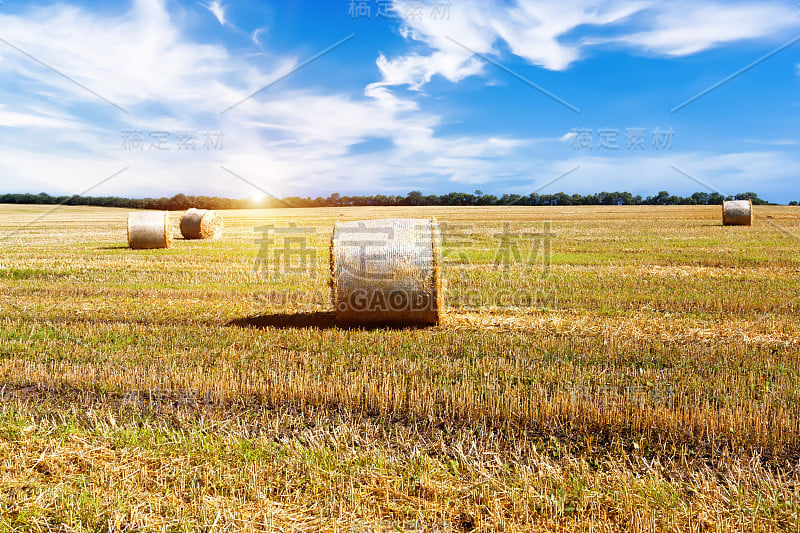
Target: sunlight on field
[[598, 368]]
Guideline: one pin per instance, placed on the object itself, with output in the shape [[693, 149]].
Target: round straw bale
[[386, 271], [149, 229], [737, 213], [201, 224]]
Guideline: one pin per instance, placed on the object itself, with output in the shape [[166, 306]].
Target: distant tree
[[753, 197], [181, 201], [414, 198], [487, 199], [662, 198], [715, 198], [562, 199], [432, 199]]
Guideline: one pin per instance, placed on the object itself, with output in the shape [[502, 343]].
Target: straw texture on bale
[[737, 213], [149, 229], [201, 224], [386, 271]]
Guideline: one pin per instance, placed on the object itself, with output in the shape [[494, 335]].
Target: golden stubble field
[[598, 369]]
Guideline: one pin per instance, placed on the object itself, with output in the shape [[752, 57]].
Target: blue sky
[[433, 95]]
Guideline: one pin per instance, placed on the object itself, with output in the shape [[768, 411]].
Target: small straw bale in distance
[[386, 272], [149, 229], [201, 224], [737, 213]]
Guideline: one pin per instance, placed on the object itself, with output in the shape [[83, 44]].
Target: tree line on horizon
[[181, 202]]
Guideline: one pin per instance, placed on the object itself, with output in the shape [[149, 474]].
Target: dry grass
[[175, 390]]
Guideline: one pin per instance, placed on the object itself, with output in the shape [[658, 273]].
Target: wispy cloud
[[542, 33], [774, 142], [311, 141], [255, 36], [217, 9], [294, 140], [567, 137], [35, 119], [683, 28], [764, 172]]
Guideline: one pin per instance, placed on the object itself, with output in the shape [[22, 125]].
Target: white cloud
[[774, 142], [729, 173], [255, 36], [416, 70], [217, 9], [690, 27], [34, 119], [567, 137], [289, 141], [138, 60], [544, 33], [56, 137]]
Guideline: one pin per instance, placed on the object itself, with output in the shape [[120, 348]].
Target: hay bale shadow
[[316, 320]]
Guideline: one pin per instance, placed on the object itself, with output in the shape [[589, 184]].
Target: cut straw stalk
[[149, 229], [201, 224], [386, 271], [737, 213]]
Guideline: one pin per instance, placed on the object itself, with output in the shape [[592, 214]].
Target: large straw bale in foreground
[[386, 271], [737, 213], [201, 224], [149, 229]]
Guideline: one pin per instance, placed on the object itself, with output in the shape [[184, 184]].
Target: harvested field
[[596, 369]]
